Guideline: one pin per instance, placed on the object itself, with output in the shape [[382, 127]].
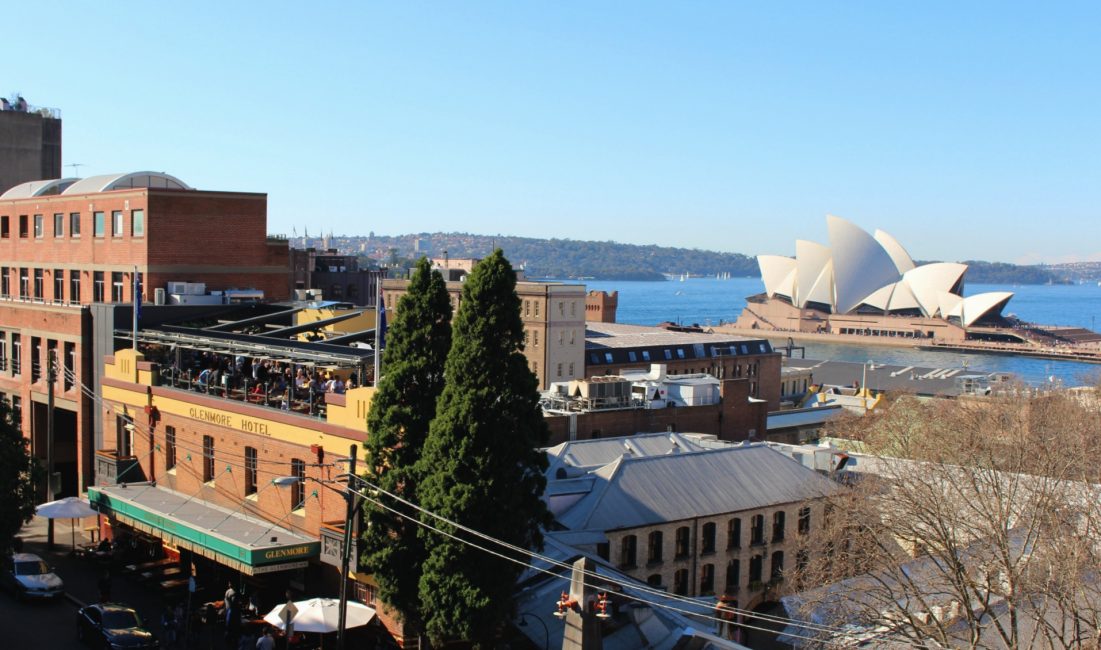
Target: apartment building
[[68, 243]]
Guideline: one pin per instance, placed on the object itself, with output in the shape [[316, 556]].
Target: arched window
[[733, 575], [757, 530], [778, 518], [755, 568], [628, 550], [654, 551], [734, 533], [777, 566], [683, 538], [680, 582], [707, 579], [707, 542]]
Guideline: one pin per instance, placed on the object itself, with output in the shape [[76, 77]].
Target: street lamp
[[349, 494], [546, 630]]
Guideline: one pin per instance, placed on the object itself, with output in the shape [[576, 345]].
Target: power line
[[526, 552]]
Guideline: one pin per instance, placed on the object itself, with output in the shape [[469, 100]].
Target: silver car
[[28, 576]]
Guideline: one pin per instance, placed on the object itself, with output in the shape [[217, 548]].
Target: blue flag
[[381, 328]]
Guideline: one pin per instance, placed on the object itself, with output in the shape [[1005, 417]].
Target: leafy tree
[[19, 476], [416, 347], [481, 466], [975, 525]]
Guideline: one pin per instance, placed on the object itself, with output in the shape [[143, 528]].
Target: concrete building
[[621, 405], [554, 325], [30, 143], [329, 275], [69, 243], [612, 348], [726, 532]]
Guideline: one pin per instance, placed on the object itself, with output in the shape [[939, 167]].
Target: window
[[654, 580], [682, 539], [118, 289], [571, 369], [628, 551], [39, 226], [668, 354], [608, 357], [59, 285], [23, 227], [632, 356], [734, 533], [757, 531], [680, 582], [655, 547], [250, 470], [137, 223], [98, 224], [645, 355], [5, 282], [802, 559], [707, 580], [36, 359], [169, 447], [804, 521], [298, 488], [536, 306], [707, 544], [527, 308], [680, 353], [208, 459], [5, 233], [16, 355], [116, 223], [74, 224], [67, 381], [24, 283], [733, 575], [755, 567], [778, 526], [777, 572], [59, 225], [17, 411], [559, 370], [74, 287], [535, 338], [39, 284], [123, 427], [561, 308]]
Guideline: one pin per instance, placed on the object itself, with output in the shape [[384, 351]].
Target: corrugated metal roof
[[590, 454], [802, 417], [633, 492]]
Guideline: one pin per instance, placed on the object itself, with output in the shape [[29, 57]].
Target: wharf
[[1053, 352]]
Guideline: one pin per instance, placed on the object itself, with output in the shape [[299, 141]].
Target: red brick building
[[68, 243]]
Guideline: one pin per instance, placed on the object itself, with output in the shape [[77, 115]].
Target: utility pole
[[582, 625], [51, 376], [346, 549]]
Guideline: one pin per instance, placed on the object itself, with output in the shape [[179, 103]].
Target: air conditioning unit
[[159, 296], [178, 288]]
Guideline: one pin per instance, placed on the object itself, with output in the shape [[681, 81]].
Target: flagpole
[[378, 329], [134, 283]]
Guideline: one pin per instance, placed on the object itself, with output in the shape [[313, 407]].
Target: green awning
[[245, 543]]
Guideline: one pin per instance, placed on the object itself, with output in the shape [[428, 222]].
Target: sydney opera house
[[868, 285]]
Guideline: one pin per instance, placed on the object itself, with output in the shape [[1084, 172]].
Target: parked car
[[113, 626], [27, 576]]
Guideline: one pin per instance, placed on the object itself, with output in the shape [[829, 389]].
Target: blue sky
[[966, 130]]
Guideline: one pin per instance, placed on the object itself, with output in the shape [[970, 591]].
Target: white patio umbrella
[[68, 508], [320, 615]]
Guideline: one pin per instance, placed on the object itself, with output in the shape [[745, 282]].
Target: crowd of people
[[281, 384]]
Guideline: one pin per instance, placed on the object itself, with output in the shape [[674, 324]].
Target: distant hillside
[[570, 258], [564, 258]]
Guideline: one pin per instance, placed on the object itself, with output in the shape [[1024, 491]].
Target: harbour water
[[710, 301]]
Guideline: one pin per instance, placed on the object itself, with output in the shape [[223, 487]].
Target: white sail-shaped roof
[[822, 290], [860, 264], [903, 261], [775, 269], [981, 304], [859, 269], [811, 259], [928, 280]]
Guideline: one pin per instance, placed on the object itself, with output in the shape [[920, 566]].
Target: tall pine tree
[[416, 347], [481, 466]]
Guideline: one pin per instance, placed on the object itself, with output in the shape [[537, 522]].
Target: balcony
[[110, 467]]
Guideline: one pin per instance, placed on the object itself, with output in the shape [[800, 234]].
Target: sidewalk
[[82, 576]]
